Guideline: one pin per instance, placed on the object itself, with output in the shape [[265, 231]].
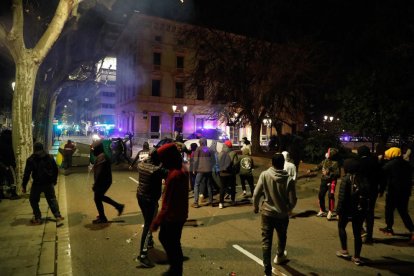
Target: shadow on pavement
[[304, 214], [393, 265], [290, 270], [399, 239]]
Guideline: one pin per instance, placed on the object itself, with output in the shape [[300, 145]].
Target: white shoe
[[244, 193], [282, 259], [220, 205], [329, 215], [321, 214]]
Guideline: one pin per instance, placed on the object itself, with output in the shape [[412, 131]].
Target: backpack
[[359, 193]]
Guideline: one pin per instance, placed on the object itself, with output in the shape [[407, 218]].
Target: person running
[[102, 182], [330, 174], [279, 200], [44, 171], [353, 204]]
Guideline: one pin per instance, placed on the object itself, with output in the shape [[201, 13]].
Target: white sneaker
[[220, 205], [321, 214], [329, 215], [282, 259], [244, 193]]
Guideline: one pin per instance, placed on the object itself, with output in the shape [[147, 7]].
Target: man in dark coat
[[102, 181], [44, 171], [398, 176], [371, 169]]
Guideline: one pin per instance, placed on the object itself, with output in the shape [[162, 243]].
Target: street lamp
[[268, 123], [178, 122]]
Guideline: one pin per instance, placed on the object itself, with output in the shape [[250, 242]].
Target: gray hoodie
[[279, 193]]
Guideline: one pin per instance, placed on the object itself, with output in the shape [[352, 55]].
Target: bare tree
[[27, 61], [252, 78]]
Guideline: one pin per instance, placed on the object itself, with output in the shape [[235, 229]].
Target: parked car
[[213, 134]]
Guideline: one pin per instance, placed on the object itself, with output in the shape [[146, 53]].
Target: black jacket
[[398, 178], [372, 170], [37, 159], [150, 180], [102, 173]]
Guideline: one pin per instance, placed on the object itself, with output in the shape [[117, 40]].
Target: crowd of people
[[162, 173]]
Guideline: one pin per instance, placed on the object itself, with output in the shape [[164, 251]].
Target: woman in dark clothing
[[102, 181], [352, 205]]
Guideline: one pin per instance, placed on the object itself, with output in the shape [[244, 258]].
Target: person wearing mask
[[398, 184], [102, 175], [330, 173], [150, 176], [279, 200], [174, 208], [44, 171]]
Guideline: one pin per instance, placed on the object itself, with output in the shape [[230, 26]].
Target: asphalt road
[[218, 241]]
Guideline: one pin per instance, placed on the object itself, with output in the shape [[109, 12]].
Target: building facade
[[152, 68]]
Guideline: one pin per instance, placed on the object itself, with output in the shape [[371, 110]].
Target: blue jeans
[[203, 178], [268, 225]]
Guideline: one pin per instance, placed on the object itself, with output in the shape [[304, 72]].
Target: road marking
[[133, 179], [257, 260]]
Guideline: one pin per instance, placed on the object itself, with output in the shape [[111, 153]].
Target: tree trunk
[[41, 117], [22, 106], [52, 109], [256, 128]]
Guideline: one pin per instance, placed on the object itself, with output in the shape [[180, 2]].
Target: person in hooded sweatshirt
[[279, 193], [44, 171], [102, 175], [398, 184], [174, 208]]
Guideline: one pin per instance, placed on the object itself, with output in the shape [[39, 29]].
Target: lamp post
[[178, 121], [268, 123]]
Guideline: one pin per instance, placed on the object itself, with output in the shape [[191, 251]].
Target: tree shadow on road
[[392, 265]]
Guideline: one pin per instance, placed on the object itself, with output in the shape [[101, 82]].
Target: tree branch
[[55, 27]]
